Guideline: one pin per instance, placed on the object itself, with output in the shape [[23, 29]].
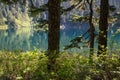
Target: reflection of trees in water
[[15, 39], [22, 39], [39, 40], [26, 39]]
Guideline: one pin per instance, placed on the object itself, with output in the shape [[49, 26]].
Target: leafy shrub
[[33, 66], [23, 65]]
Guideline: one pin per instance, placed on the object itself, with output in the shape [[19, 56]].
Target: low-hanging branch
[[44, 7], [75, 42], [70, 8]]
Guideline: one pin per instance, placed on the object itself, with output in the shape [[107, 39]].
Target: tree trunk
[[103, 27], [92, 29], [54, 32]]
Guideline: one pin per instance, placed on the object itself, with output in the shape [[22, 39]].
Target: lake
[[27, 39]]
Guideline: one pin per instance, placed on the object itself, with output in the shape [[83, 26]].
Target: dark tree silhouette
[[53, 32], [103, 27], [92, 28]]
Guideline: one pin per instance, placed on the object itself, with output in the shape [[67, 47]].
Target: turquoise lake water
[[27, 39]]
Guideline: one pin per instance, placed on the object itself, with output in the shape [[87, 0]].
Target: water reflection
[[14, 39], [27, 39]]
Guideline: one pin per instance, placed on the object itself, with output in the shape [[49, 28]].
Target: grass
[[33, 66]]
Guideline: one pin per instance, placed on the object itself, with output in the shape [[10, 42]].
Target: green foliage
[[112, 8], [34, 11], [23, 65], [77, 18], [33, 66], [79, 42], [8, 1]]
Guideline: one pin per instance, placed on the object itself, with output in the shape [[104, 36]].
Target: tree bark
[[103, 27], [54, 32], [92, 29]]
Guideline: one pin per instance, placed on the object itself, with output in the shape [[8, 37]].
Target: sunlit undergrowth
[[33, 66]]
